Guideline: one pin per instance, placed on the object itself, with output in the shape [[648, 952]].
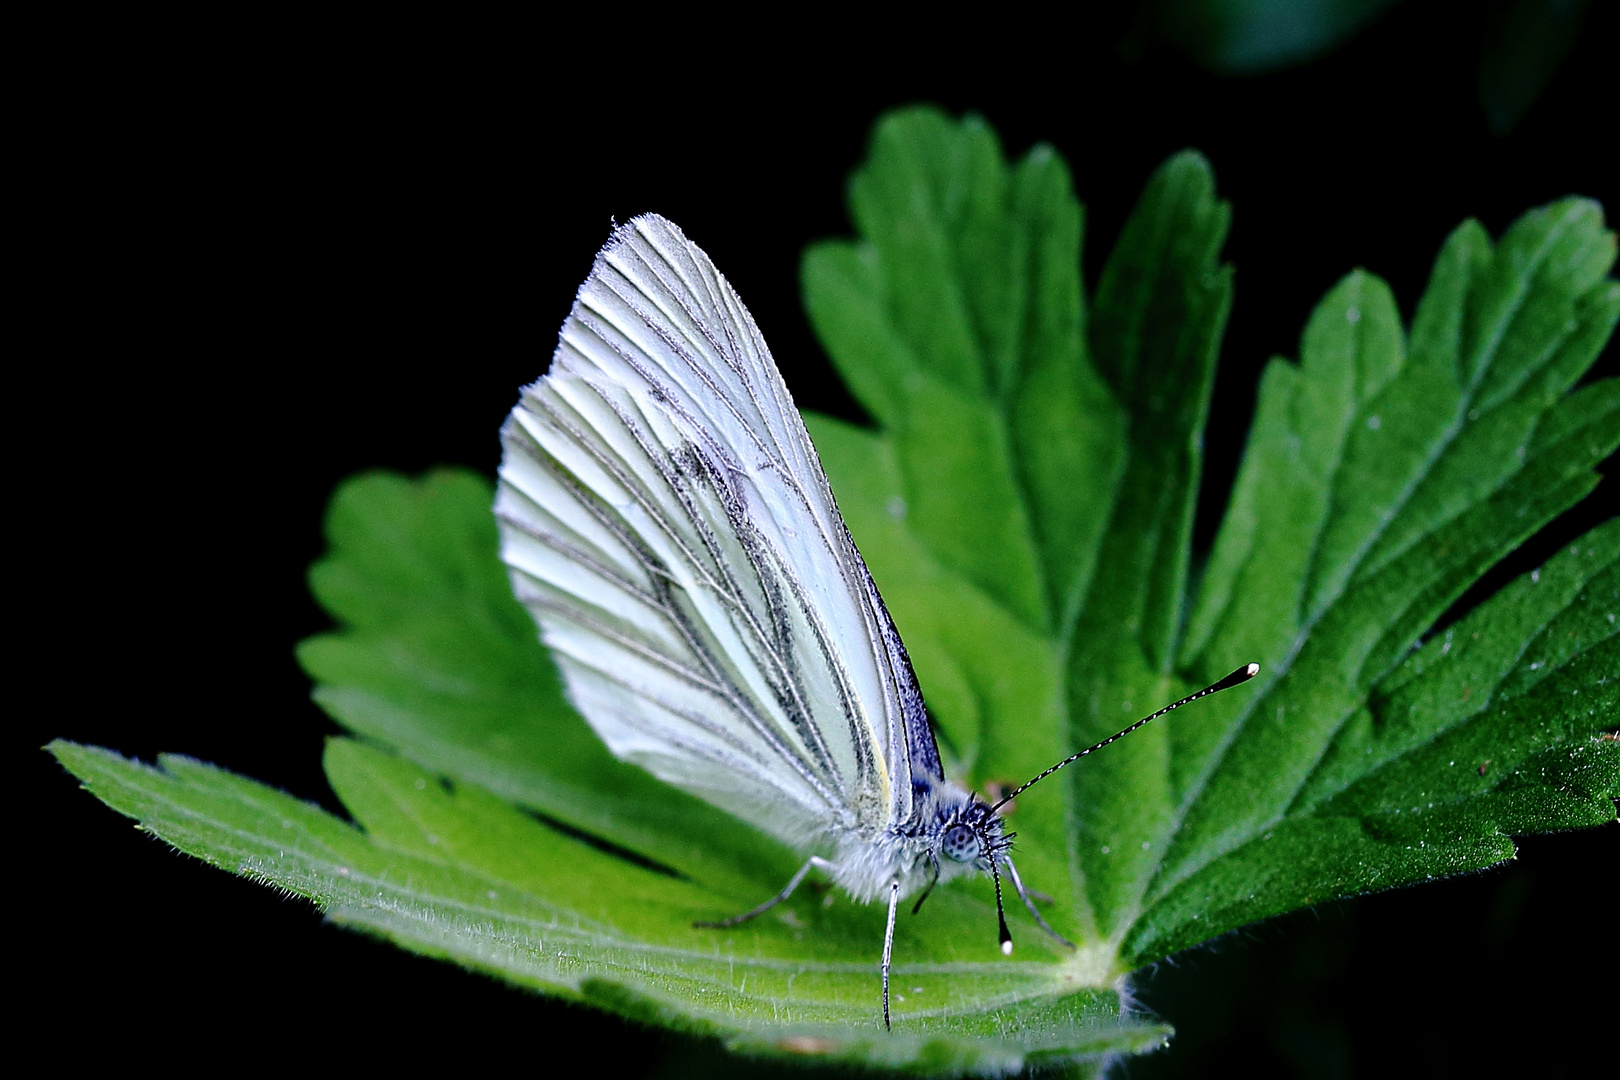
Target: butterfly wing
[[666, 520]]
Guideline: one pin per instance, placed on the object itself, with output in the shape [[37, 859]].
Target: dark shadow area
[[606, 847]]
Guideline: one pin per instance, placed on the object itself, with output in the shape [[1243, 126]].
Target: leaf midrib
[[1158, 886], [1486, 701], [1062, 619], [1460, 420], [320, 859]]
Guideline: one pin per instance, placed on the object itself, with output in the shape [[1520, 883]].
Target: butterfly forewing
[[666, 520]]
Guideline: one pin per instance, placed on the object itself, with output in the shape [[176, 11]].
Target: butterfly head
[[972, 834]]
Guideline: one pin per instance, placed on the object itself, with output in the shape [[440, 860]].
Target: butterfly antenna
[[1001, 915], [1238, 677]]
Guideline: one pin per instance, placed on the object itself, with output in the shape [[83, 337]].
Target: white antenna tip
[[1238, 677], [1006, 947]]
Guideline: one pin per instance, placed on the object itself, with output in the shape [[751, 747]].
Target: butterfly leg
[[1023, 894], [933, 865], [814, 862], [888, 948]]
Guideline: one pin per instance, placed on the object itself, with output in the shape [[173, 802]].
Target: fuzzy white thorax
[[864, 865]]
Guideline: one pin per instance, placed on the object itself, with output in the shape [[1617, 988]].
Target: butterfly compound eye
[[960, 844]]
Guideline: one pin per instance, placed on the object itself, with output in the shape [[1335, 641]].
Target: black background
[[273, 255]]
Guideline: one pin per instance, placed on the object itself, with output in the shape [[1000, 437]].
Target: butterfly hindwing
[[666, 520]]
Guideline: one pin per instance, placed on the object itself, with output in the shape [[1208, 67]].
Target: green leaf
[[452, 871], [1025, 504], [1379, 483]]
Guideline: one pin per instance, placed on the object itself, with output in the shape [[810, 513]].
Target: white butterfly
[[666, 520]]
